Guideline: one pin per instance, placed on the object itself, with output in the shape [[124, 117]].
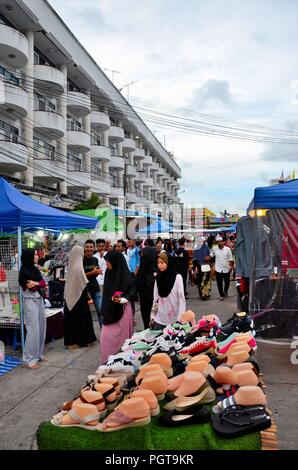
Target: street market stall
[[17, 212], [272, 234]]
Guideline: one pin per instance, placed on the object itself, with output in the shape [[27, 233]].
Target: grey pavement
[[29, 397]]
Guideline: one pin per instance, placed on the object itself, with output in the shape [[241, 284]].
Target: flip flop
[[240, 420], [33, 366]]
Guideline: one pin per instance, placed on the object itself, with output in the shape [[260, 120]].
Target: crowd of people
[[113, 278]]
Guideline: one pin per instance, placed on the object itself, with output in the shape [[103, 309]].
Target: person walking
[[181, 257], [145, 281], [78, 325], [118, 290], [223, 265], [201, 268], [33, 292], [100, 254], [92, 271], [133, 254], [168, 295]]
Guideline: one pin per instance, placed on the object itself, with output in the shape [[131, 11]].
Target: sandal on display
[[149, 397], [200, 358], [146, 369], [175, 382], [81, 416], [91, 398], [156, 382], [249, 395], [242, 366], [132, 412], [188, 317], [206, 396], [237, 357], [164, 361], [197, 366], [194, 415], [108, 392], [191, 386], [238, 421], [225, 375]]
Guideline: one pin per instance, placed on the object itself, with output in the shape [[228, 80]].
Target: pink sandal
[[132, 412]]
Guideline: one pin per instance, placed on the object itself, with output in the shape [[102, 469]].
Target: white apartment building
[[64, 127]]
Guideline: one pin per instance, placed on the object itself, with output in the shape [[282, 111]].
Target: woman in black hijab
[[118, 291], [33, 287], [145, 282], [168, 295]]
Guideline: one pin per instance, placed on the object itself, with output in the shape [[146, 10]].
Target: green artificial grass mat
[[152, 436]]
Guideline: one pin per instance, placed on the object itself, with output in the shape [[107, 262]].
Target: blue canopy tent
[[18, 210], [278, 196], [273, 238], [159, 226]]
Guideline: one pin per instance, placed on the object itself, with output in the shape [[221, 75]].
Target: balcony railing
[[78, 167]]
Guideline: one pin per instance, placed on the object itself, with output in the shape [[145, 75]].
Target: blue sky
[[235, 61]]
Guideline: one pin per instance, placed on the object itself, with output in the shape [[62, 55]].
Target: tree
[[92, 203]]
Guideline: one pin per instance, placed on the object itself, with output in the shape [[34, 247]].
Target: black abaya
[[78, 324]]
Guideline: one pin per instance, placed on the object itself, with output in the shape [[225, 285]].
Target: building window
[[43, 150], [74, 163], [41, 59], [8, 132], [73, 124], [9, 76], [43, 104]]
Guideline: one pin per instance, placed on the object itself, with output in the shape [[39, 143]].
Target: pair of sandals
[[132, 412]]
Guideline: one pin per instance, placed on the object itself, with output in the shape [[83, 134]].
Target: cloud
[[212, 93], [235, 61]]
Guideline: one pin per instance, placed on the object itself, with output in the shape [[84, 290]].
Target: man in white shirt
[[223, 265], [100, 244], [121, 247]]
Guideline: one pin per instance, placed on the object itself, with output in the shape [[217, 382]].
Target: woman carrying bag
[[169, 300], [202, 269]]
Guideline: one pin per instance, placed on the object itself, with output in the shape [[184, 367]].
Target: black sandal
[[240, 420]]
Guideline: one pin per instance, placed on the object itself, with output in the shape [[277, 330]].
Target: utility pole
[[124, 197]]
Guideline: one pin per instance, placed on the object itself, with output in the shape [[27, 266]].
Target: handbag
[[205, 268]]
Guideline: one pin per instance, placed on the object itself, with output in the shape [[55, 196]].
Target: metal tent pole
[[21, 297]]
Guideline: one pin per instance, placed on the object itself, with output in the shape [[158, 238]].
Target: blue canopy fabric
[[18, 210], [159, 226], [278, 196]]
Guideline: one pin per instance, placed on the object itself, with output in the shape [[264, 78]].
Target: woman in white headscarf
[[78, 325]]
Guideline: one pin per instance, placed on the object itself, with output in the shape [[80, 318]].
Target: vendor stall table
[[54, 325]]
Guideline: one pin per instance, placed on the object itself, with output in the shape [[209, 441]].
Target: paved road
[[28, 397]]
